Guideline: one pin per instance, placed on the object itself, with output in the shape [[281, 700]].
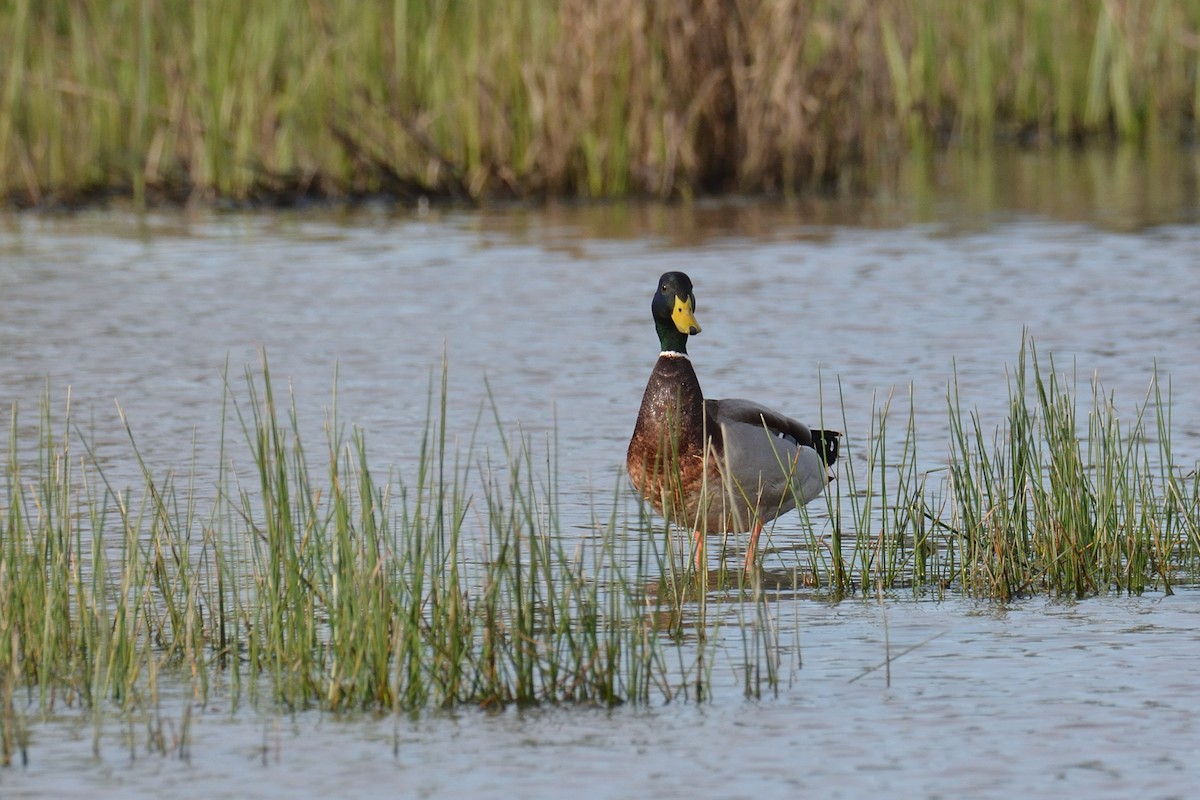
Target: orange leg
[[698, 551], [752, 547]]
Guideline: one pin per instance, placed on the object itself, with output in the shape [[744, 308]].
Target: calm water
[[551, 308], [1038, 700]]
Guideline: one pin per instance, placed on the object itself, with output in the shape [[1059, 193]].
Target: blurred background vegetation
[[205, 100]]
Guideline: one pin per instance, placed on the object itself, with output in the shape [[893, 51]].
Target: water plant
[[457, 583], [412, 97], [453, 586], [1051, 499], [1057, 503]]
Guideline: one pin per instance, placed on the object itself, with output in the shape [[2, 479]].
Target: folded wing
[[770, 458]]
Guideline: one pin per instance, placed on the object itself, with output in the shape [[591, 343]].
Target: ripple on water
[[1095, 697], [1032, 699]]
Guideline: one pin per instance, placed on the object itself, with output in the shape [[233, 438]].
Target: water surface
[[1034, 700], [546, 312]]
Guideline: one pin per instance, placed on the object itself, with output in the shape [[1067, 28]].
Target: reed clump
[[1068, 504], [225, 100], [320, 587], [1053, 499], [309, 582]]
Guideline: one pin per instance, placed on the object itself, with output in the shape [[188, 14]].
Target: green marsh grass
[[179, 101], [308, 581], [1059, 497], [1053, 501]]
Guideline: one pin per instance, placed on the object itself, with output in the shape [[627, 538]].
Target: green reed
[[879, 526], [243, 101], [1053, 498], [457, 596], [1052, 502], [309, 582], [323, 586]]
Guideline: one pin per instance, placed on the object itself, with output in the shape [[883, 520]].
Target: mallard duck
[[718, 466]]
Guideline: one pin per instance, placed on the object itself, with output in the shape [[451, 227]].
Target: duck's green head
[[674, 309]]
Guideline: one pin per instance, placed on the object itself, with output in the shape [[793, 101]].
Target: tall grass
[[1053, 499], [196, 101], [1054, 502], [309, 582]]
